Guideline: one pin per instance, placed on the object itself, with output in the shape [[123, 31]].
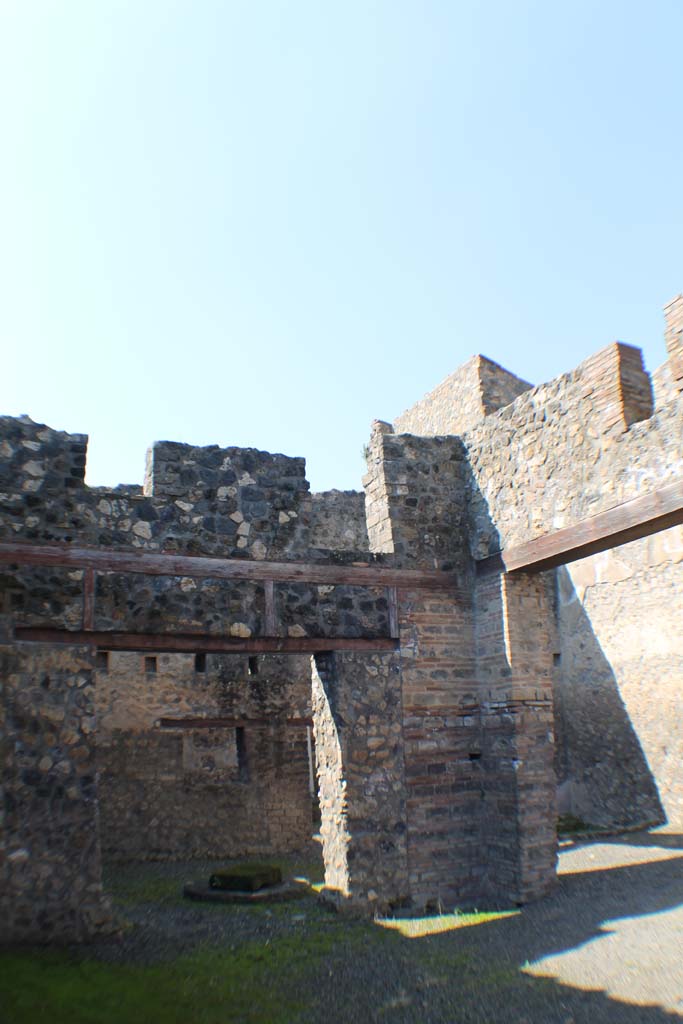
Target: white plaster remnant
[[240, 629]]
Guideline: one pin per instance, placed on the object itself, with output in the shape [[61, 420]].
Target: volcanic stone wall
[[167, 788], [435, 763], [50, 875], [338, 521], [174, 786], [559, 454], [360, 765]]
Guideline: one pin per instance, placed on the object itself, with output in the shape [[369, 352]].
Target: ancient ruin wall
[[463, 399], [673, 316], [360, 764], [338, 521], [50, 870], [479, 779], [228, 502], [171, 791], [559, 454], [553, 456]]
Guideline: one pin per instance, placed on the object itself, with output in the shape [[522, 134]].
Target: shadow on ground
[[619, 928], [609, 939]]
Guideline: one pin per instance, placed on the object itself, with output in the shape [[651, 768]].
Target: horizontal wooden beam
[[200, 643], [155, 563], [229, 723], [640, 517]]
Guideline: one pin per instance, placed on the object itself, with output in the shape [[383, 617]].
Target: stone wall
[[166, 789], [620, 683], [170, 791], [435, 763], [559, 454], [360, 766], [463, 399], [415, 499], [231, 500], [477, 731], [338, 521], [50, 871]]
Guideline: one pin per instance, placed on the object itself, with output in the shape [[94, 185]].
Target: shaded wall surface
[[174, 786], [620, 686]]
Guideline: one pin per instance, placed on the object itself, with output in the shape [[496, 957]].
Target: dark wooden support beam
[[155, 563], [229, 723], [640, 517], [392, 604], [89, 599], [193, 643]]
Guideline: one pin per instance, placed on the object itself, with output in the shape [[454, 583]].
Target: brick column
[[673, 334], [515, 630], [442, 748], [618, 386]]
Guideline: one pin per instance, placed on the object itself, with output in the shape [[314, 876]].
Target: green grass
[[256, 982], [144, 886], [272, 980], [253, 984]]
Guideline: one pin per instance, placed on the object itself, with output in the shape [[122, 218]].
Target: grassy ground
[[603, 948], [280, 976], [253, 982]]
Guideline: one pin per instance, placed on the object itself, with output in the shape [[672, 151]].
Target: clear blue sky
[[266, 224]]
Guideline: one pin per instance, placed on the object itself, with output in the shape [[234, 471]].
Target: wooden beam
[[392, 605], [156, 563], [193, 643], [640, 517], [229, 723]]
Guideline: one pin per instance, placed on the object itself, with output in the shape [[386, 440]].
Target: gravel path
[[606, 948]]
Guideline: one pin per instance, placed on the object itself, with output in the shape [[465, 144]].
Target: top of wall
[[673, 334], [230, 502], [476, 389], [623, 389], [571, 448], [226, 502]]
